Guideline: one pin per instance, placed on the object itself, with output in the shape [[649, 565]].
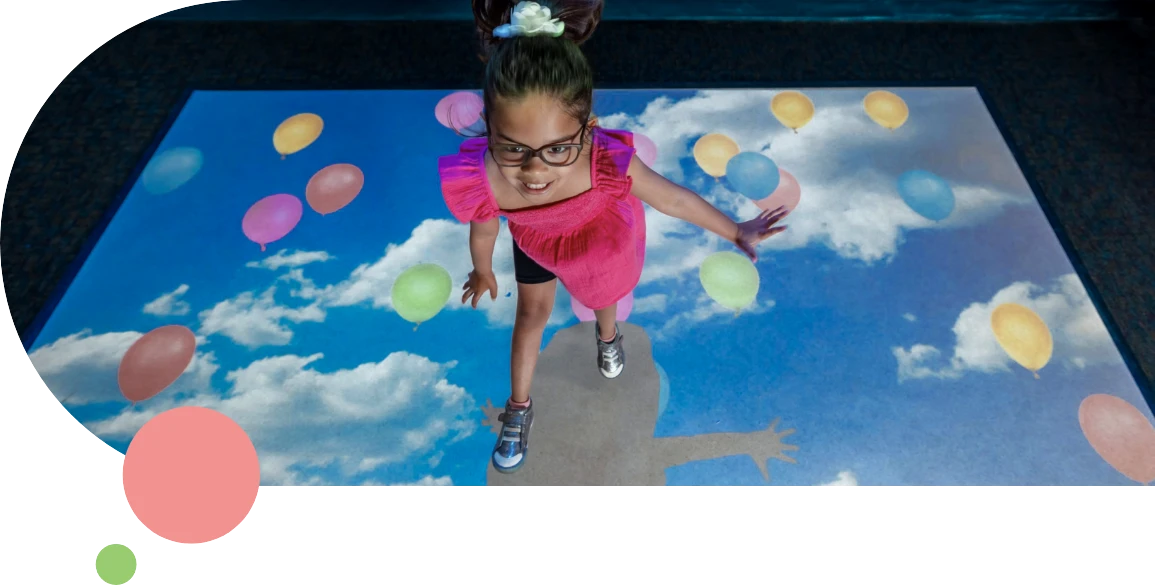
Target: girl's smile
[[535, 189], [534, 127]]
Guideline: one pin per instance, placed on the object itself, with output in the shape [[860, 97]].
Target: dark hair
[[555, 66]]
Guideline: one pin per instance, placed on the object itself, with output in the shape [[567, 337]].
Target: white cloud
[[655, 303], [1080, 337], [445, 243], [254, 321], [292, 259], [706, 309], [844, 478], [910, 317], [169, 303], [911, 363], [428, 480], [307, 423], [846, 164], [81, 368]]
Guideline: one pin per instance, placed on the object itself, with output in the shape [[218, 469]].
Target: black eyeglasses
[[554, 155]]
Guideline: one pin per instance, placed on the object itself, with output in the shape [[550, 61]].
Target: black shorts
[[526, 271]]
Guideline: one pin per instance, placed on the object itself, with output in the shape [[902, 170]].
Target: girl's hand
[[751, 233], [476, 286]]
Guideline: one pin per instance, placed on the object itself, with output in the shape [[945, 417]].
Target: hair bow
[[530, 19]]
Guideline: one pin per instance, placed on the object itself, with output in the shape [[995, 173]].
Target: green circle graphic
[[115, 564]]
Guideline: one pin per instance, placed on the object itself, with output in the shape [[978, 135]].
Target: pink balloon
[[1120, 434], [788, 193], [459, 110], [586, 314], [646, 149], [272, 218]]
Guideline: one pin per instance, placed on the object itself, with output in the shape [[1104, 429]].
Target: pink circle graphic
[[584, 313], [191, 475]]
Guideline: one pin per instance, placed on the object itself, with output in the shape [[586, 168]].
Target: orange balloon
[[334, 187], [155, 361], [1120, 434]]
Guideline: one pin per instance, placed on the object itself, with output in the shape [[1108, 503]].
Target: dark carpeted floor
[[1075, 98]]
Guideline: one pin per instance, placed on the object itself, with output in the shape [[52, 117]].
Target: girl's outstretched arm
[[677, 201]]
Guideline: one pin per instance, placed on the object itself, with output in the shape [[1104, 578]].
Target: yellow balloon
[[793, 109], [296, 133], [713, 151], [886, 109], [1023, 335]]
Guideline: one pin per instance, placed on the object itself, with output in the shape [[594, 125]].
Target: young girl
[[571, 192]]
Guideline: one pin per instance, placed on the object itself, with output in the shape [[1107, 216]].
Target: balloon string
[[416, 326], [1036, 375], [282, 157]]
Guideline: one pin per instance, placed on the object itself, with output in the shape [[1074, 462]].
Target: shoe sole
[[611, 376], [508, 470]]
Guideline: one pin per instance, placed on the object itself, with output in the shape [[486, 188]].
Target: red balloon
[[334, 187], [1120, 434], [155, 361]]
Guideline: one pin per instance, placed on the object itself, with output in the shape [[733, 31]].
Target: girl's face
[[518, 129]]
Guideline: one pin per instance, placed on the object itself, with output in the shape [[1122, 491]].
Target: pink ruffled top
[[595, 242]]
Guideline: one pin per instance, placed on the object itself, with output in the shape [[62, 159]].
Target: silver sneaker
[[513, 441], [611, 356]]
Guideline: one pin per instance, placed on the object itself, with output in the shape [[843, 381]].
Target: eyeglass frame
[[537, 152]]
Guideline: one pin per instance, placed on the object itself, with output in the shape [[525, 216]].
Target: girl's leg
[[611, 355], [607, 323], [534, 306]]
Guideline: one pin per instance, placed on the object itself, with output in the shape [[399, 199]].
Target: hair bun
[[581, 17]]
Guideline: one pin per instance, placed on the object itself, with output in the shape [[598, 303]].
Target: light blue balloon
[[663, 390], [170, 169], [927, 194], [753, 174]]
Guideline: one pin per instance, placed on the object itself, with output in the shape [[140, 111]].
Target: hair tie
[[530, 19]]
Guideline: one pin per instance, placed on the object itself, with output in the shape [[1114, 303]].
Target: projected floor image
[[919, 322]]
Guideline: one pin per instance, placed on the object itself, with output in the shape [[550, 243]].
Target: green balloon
[[421, 292], [730, 279], [115, 564]]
